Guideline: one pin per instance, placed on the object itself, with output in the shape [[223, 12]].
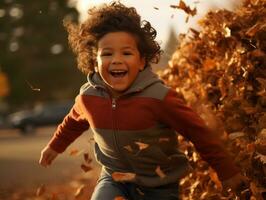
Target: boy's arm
[[186, 122], [73, 125]]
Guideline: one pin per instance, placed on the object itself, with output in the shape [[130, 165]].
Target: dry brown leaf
[[254, 29], [123, 176], [164, 139], [261, 157], [129, 148], [119, 198], [209, 64], [215, 179], [74, 152], [32, 87], [54, 196], [83, 192], [185, 8], [41, 190], [142, 145], [262, 82], [250, 110], [159, 172], [140, 192], [87, 159], [233, 136], [85, 168], [251, 147]]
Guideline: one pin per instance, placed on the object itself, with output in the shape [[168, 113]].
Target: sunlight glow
[[161, 15]]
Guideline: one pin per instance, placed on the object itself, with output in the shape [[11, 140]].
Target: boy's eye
[[106, 54], [127, 53]]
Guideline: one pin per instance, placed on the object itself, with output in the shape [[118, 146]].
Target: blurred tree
[[34, 51], [169, 49], [4, 86]]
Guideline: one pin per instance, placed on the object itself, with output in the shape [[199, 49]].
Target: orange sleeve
[[73, 125]]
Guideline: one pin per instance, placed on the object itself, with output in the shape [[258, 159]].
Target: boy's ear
[[142, 64]]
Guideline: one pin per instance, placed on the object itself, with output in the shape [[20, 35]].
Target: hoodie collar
[[144, 79]]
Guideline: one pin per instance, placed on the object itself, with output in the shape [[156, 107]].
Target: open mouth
[[118, 73]]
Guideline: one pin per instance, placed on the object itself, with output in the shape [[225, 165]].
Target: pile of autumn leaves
[[221, 72]]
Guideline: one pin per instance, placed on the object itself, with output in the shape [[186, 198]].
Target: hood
[[144, 79]]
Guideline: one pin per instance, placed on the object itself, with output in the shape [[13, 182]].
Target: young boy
[[133, 115]]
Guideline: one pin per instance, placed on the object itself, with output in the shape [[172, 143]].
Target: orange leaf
[[160, 172], [87, 158], [85, 168], [83, 192], [120, 176], [129, 148], [80, 191], [250, 110], [73, 152], [209, 64], [251, 147], [215, 179], [54, 196], [119, 198], [142, 145], [164, 139], [140, 192], [41, 190], [185, 8], [254, 29]]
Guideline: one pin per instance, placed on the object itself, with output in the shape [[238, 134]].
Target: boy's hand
[[237, 183], [47, 156]]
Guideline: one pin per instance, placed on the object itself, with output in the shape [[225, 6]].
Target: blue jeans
[[108, 189]]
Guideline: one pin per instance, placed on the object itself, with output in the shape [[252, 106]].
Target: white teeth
[[118, 71]]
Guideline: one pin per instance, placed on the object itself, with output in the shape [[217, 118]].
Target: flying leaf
[[209, 64], [119, 198], [254, 29], [142, 145], [74, 152], [215, 179], [159, 172], [85, 168], [235, 135], [33, 88], [185, 8], [83, 191], [121, 176], [164, 139], [129, 148], [140, 192], [40, 191], [87, 159]]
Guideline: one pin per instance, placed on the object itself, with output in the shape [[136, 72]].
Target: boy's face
[[119, 61]]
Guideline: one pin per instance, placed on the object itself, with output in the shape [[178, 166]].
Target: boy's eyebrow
[[110, 48]]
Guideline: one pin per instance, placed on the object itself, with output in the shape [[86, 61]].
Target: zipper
[[115, 129], [114, 106], [113, 103]]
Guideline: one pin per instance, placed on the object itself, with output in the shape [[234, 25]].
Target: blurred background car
[[2, 123], [51, 113]]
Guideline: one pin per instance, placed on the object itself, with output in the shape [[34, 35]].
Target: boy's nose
[[115, 62], [116, 59]]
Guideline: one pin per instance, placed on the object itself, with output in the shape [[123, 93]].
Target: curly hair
[[113, 17]]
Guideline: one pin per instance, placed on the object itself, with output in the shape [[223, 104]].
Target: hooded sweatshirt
[[137, 132]]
